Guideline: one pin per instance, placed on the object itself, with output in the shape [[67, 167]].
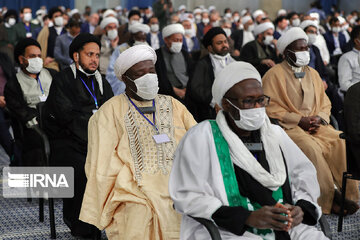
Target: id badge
[[161, 138], [28, 34], [42, 98], [94, 111]]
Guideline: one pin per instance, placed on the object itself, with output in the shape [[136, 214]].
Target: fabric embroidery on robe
[[149, 157]]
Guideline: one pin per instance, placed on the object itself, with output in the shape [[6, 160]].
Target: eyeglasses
[[263, 101]]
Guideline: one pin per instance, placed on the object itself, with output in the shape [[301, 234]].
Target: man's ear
[[210, 49], [225, 105], [76, 56]]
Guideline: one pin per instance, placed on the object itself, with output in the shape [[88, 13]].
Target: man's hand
[[180, 92], [114, 42], [296, 214], [325, 84], [315, 122], [48, 60], [268, 62], [270, 217], [2, 102], [236, 53]]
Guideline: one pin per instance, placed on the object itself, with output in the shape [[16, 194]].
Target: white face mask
[[251, 28], [11, 21], [228, 15], [59, 21], [51, 24], [176, 47], [27, 17], [345, 27], [227, 31], [112, 34], [35, 65], [302, 58], [147, 86], [216, 23], [133, 21], [236, 18], [241, 26], [198, 18], [312, 38], [268, 40], [154, 27], [205, 20], [250, 119], [336, 29], [296, 22], [188, 32]]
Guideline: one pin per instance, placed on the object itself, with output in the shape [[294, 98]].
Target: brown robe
[[292, 99]]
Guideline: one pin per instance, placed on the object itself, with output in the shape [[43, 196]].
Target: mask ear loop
[[234, 107]]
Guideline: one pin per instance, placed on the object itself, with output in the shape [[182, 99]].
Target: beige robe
[[291, 99], [128, 173], [43, 41]]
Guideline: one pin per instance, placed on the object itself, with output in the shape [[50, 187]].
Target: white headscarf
[[173, 28], [139, 27], [291, 35], [109, 12], [263, 27], [306, 23], [232, 74], [258, 13], [132, 56], [107, 21]]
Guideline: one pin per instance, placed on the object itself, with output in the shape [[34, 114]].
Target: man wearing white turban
[[109, 41], [174, 64], [132, 139], [261, 52], [243, 36], [138, 32], [235, 170], [300, 105]]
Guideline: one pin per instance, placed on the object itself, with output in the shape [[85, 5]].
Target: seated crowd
[[169, 113]]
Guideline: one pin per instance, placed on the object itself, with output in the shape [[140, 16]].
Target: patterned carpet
[[19, 219]]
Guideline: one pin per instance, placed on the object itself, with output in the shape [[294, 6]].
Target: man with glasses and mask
[[75, 95], [242, 172], [132, 139], [300, 105], [261, 52]]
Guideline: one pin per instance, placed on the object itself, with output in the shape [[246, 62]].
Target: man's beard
[[223, 52], [86, 70]]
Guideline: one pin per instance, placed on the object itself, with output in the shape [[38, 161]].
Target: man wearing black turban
[[198, 98], [76, 94]]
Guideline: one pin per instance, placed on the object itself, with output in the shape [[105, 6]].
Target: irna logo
[[37, 180]]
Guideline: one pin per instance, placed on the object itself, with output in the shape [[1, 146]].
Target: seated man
[[174, 65], [335, 41], [132, 139], [154, 37], [260, 52], [302, 108], [76, 94], [241, 171], [349, 66], [199, 99], [24, 91]]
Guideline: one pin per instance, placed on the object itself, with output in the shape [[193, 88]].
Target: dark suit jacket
[[238, 37], [165, 86], [319, 63], [85, 27], [330, 42], [20, 31], [198, 92], [249, 53]]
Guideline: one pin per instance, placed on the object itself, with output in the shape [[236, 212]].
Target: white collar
[[97, 76]]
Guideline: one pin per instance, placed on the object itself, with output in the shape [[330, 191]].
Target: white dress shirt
[[349, 69]]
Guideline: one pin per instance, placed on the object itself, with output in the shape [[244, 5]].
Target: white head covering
[[263, 27], [132, 56], [182, 7], [74, 11], [107, 21], [315, 15], [139, 27], [173, 28], [341, 19], [197, 10], [291, 35], [109, 12], [212, 7], [246, 19], [118, 8], [243, 12], [232, 74], [281, 12], [306, 23], [258, 13]]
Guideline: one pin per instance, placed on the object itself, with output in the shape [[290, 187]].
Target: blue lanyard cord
[[28, 28], [92, 95], [152, 124], [42, 91]]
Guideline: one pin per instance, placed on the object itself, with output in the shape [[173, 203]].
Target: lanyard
[[28, 28], [42, 91], [92, 95], [152, 124]]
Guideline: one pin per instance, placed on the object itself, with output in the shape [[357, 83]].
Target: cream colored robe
[[43, 41], [290, 100], [127, 188]]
